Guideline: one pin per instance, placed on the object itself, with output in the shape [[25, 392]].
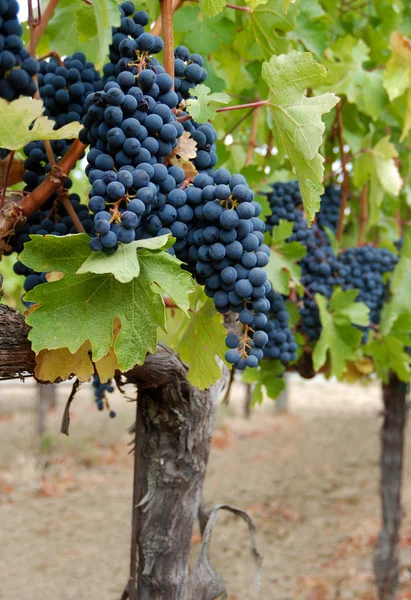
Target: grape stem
[[166, 7], [345, 187], [71, 212], [253, 135], [6, 178], [239, 106], [237, 124], [53, 54]]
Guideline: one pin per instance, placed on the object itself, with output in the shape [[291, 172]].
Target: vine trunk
[[386, 564]]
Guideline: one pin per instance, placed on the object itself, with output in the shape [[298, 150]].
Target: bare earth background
[[309, 479]]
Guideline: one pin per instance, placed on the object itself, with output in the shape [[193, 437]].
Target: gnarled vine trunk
[[386, 564], [173, 434]]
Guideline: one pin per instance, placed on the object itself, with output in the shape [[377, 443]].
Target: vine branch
[[6, 178], [168, 36], [44, 18], [19, 211], [158, 25]]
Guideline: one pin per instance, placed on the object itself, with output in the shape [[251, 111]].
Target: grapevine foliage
[[222, 232]]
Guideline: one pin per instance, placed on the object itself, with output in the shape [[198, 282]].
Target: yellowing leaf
[[385, 168], [297, 119], [21, 121], [60, 364], [397, 74], [186, 147], [189, 169]]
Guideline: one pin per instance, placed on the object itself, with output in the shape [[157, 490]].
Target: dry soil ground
[[309, 479]]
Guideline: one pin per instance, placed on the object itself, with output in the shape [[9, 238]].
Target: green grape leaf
[[79, 308], [339, 338], [388, 355], [397, 73], [267, 378], [199, 105], [400, 285], [79, 26], [268, 22], [21, 122], [297, 119], [282, 267], [106, 15], [254, 3], [123, 264], [313, 27], [346, 75], [211, 8], [378, 165], [199, 340]]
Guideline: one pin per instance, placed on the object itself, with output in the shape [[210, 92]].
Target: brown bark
[[16, 355], [386, 564], [174, 428]]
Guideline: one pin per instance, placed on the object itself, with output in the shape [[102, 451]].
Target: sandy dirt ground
[[309, 479]]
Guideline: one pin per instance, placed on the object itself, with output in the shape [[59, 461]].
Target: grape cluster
[[100, 391], [55, 222], [64, 87], [131, 129], [329, 212], [223, 246], [17, 67], [189, 71], [365, 268]]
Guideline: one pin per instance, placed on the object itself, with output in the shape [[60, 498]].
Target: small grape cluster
[[329, 213], [64, 87], [100, 391], [365, 268], [17, 67]]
